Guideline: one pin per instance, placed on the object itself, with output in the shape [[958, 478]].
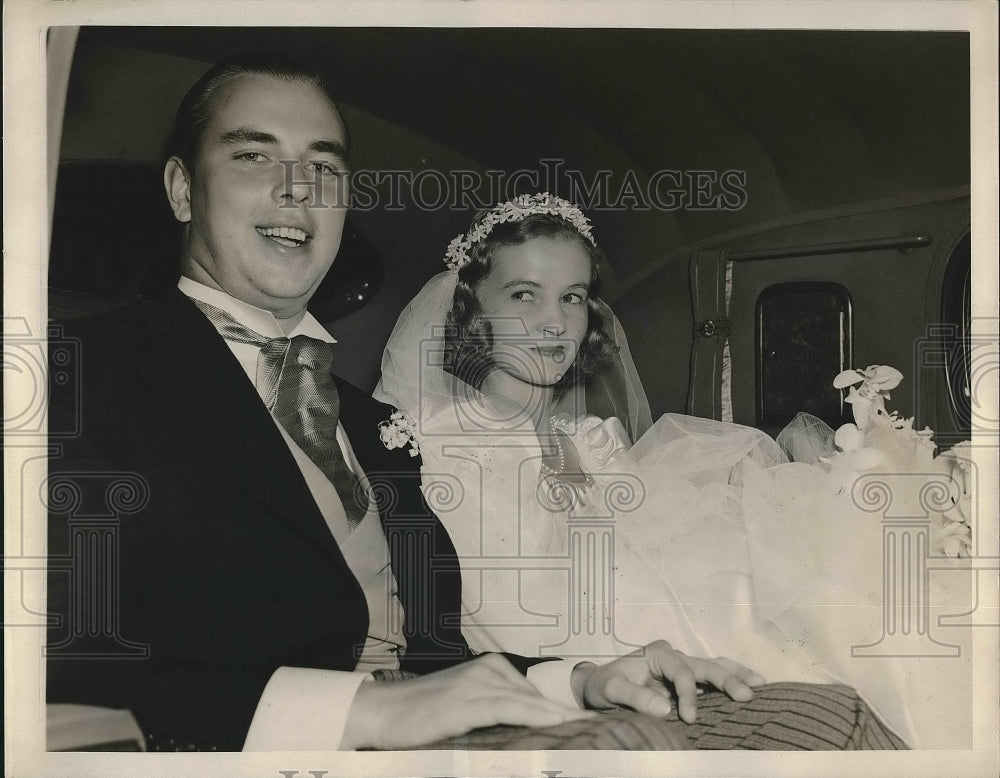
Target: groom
[[273, 560]]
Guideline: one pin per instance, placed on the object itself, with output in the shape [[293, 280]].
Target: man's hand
[[637, 681], [480, 693]]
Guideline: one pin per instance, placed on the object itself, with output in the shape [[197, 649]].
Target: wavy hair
[[468, 334]]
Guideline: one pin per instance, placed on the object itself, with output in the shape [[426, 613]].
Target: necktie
[[294, 381]]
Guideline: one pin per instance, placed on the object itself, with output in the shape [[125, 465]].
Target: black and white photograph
[[524, 389]]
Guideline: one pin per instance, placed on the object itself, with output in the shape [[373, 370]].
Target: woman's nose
[[553, 329], [551, 319]]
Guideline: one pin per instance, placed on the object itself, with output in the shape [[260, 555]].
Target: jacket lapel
[[201, 383], [423, 557], [361, 415]]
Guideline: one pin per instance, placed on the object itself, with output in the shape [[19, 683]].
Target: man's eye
[[326, 168], [251, 156]]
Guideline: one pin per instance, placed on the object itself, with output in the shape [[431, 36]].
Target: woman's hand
[[638, 680], [480, 693]]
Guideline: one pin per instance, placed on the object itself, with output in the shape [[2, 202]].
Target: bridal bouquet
[[881, 441], [951, 534]]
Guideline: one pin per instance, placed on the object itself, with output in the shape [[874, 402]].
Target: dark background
[[818, 120]]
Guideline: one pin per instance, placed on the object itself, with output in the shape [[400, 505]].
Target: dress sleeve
[[597, 441]]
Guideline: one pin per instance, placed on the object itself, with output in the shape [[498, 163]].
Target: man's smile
[[290, 237]]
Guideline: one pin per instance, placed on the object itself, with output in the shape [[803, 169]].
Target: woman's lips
[[558, 353]]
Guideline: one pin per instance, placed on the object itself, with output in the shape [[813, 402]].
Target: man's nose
[[295, 183]]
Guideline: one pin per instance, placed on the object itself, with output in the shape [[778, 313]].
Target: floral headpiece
[[515, 210]]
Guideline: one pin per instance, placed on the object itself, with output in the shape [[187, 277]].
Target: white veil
[[413, 376]]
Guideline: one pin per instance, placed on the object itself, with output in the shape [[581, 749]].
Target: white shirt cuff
[[552, 680], [303, 709]]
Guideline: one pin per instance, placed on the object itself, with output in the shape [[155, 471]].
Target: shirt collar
[[255, 318]]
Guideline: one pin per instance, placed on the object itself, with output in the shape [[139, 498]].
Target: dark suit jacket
[[188, 558]]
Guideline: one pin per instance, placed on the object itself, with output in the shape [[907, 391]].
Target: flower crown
[[515, 210]]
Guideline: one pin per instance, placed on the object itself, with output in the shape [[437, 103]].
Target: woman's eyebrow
[[526, 282], [521, 282]]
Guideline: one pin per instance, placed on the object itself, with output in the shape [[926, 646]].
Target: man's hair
[[468, 352], [195, 109]]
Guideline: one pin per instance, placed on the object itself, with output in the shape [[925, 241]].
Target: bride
[[586, 530]]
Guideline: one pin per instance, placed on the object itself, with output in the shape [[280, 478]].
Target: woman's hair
[[468, 335], [195, 110]]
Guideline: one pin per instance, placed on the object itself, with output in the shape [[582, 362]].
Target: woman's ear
[[177, 182]]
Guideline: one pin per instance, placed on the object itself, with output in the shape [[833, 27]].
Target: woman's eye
[[573, 298], [523, 296]]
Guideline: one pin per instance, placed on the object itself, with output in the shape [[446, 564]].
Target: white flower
[[398, 431], [869, 398], [886, 442], [951, 530], [951, 538], [874, 379]]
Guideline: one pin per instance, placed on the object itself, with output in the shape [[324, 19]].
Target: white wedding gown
[[702, 534]]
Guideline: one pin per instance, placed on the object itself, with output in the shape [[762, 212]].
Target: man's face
[[259, 227]]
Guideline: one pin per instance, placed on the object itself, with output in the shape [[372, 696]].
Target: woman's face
[[535, 298]]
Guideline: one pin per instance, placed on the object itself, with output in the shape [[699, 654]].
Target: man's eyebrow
[[333, 147], [250, 135], [246, 135]]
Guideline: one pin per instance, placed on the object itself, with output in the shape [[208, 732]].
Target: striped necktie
[[294, 381]]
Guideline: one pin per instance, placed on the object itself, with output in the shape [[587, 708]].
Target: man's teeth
[[294, 235]]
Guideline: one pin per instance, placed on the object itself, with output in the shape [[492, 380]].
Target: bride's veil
[[414, 379]]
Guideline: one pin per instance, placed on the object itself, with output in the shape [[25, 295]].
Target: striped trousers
[[780, 717]]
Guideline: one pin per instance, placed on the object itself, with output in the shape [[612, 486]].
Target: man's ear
[[177, 182]]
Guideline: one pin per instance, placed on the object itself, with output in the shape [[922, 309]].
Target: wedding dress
[[702, 533]]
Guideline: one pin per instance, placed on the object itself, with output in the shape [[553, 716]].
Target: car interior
[[774, 206]]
